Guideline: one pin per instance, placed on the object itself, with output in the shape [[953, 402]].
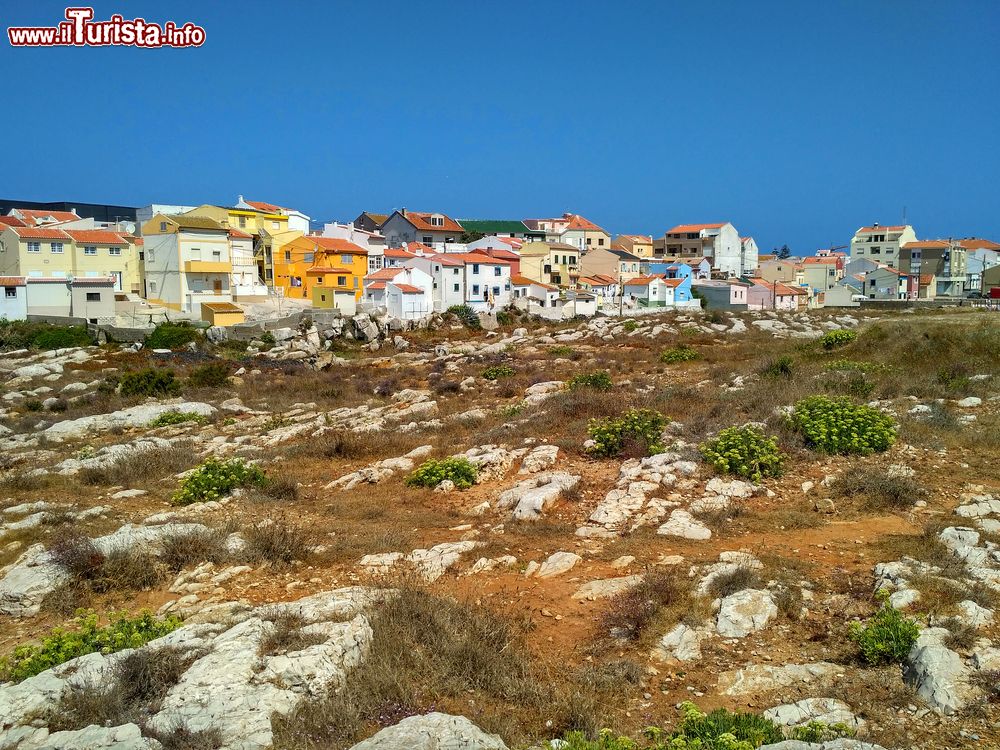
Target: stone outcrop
[[531, 497], [434, 731]]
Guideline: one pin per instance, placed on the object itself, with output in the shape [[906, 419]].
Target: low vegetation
[[460, 471], [637, 432], [209, 375], [466, 316], [878, 488], [496, 372], [744, 451], [886, 638], [600, 381], [216, 478], [838, 425], [628, 614], [837, 338], [170, 418], [677, 354], [172, 336], [86, 637], [157, 382], [20, 334]]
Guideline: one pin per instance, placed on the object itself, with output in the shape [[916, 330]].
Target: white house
[[544, 295], [881, 244], [405, 293], [245, 278], [720, 242], [650, 291], [14, 302], [748, 254], [473, 279]]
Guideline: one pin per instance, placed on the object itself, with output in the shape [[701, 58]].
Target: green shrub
[[744, 451], [819, 731], [837, 338], [62, 645], [779, 367], [216, 478], [505, 318], [466, 316], [177, 417], [637, 432], [171, 336], [433, 471], [955, 377], [267, 338], [677, 354], [210, 375], [599, 380], [837, 425], [629, 326], [33, 404], [150, 382], [62, 337], [888, 636], [849, 365], [498, 371]]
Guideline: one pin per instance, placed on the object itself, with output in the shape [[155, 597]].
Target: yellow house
[[555, 263], [187, 262], [338, 266], [50, 252], [640, 245]]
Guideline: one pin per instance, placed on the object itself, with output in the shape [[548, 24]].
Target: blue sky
[[798, 121]]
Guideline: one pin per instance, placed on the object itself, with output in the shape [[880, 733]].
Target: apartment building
[[554, 263], [187, 262], [881, 244], [946, 260], [720, 242]]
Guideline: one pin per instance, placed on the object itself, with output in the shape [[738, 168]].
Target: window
[[456, 287], [496, 290], [149, 255], [288, 256], [876, 251], [437, 221], [10, 292], [93, 296], [216, 255], [590, 240], [114, 251], [497, 271], [90, 250], [57, 248], [475, 288], [274, 225], [243, 222], [427, 239], [346, 259], [341, 281], [475, 268], [34, 247], [163, 226], [600, 240], [455, 271], [152, 287]]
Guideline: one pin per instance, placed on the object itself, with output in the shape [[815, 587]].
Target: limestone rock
[[433, 731], [937, 672], [557, 564], [827, 710], [745, 612], [531, 497], [683, 524]]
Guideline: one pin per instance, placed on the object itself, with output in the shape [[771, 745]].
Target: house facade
[[650, 291], [432, 229], [335, 265], [473, 279], [91, 298], [571, 229], [722, 295], [245, 282], [187, 262], [720, 242], [640, 245], [946, 260], [555, 263], [882, 244], [405, 293], [619, 264], [887, 284], [370, 222], [14, 298]]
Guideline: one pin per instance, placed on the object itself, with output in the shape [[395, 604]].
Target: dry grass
[[876, 490], [276, 542], [141, 469], [738, 579], [183, 549], [630, 613], [286, 635]]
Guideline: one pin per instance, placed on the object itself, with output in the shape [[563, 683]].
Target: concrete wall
[[16, 307]]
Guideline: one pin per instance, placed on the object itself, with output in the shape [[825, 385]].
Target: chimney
[[875, 225], [403, 211]]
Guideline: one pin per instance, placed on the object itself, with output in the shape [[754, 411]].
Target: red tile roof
[[824, 260], [928, 245], [12, 281], [673, 282], [337, 245], [408, 289], [386, 274], [637, 238], [484, 260], [96, 237], [376, 285], [575, 221], [693, 228], [33, 216], [12, 221], [398, 252], [872, 230], [497, 252], [40, 233], [448, 259], [974, 243], [420, 219], [642, 281], [419, 247], [240, 235], [512, 241], [269, 208]]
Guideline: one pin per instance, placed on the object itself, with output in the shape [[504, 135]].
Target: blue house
[[700, 268]]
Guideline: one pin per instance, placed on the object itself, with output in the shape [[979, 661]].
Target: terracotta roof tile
[[269, 208], [420, 219], [12, 281], [336, 245], [96, 237], [408, 288], [693, 228], [872, 230], [40, 233], [385, 274], [33, 216], [12, 221]]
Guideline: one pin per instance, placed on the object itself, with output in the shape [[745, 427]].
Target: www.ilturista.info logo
[[80, 30]]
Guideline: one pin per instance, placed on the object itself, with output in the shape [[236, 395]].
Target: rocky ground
[[335, 606]]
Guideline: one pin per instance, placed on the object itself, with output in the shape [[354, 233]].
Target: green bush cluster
[[433, 471], [838, 425], [744, 451], [599, 380], [639, 428], [852, 365], [779, 367], [150, 382], [505, 318], [172, 336], [61, 645], [209, 375], [629, 326], [888, 636], [819, 731], [837, 338], [498, 371], [678, 354], [169, 418], [466, 316], [216, 478], [20, 334], [718, 730]]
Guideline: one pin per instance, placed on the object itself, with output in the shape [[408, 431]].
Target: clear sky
[[798, 121]]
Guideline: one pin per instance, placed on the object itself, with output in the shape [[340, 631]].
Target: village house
[[505, 248], [944, 259], [187, 262], [990, 284], [886, 283], [370, 222], [88, 298], [14, 301], [405, 293], [611, 262], [604, 288], [640, 245], [695, 268], [652, 291], [42, 218], [571, 229], [774, 295], [722, 295], [544, 295], [555, 263], [720, 242], [245, 282], [432, 229], [473, 279], [749, 253], [336, 268], [881, 244]]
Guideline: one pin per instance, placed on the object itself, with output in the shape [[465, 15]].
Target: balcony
[[207, 266]]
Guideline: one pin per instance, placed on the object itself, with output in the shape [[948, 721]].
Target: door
[[217, 286]]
